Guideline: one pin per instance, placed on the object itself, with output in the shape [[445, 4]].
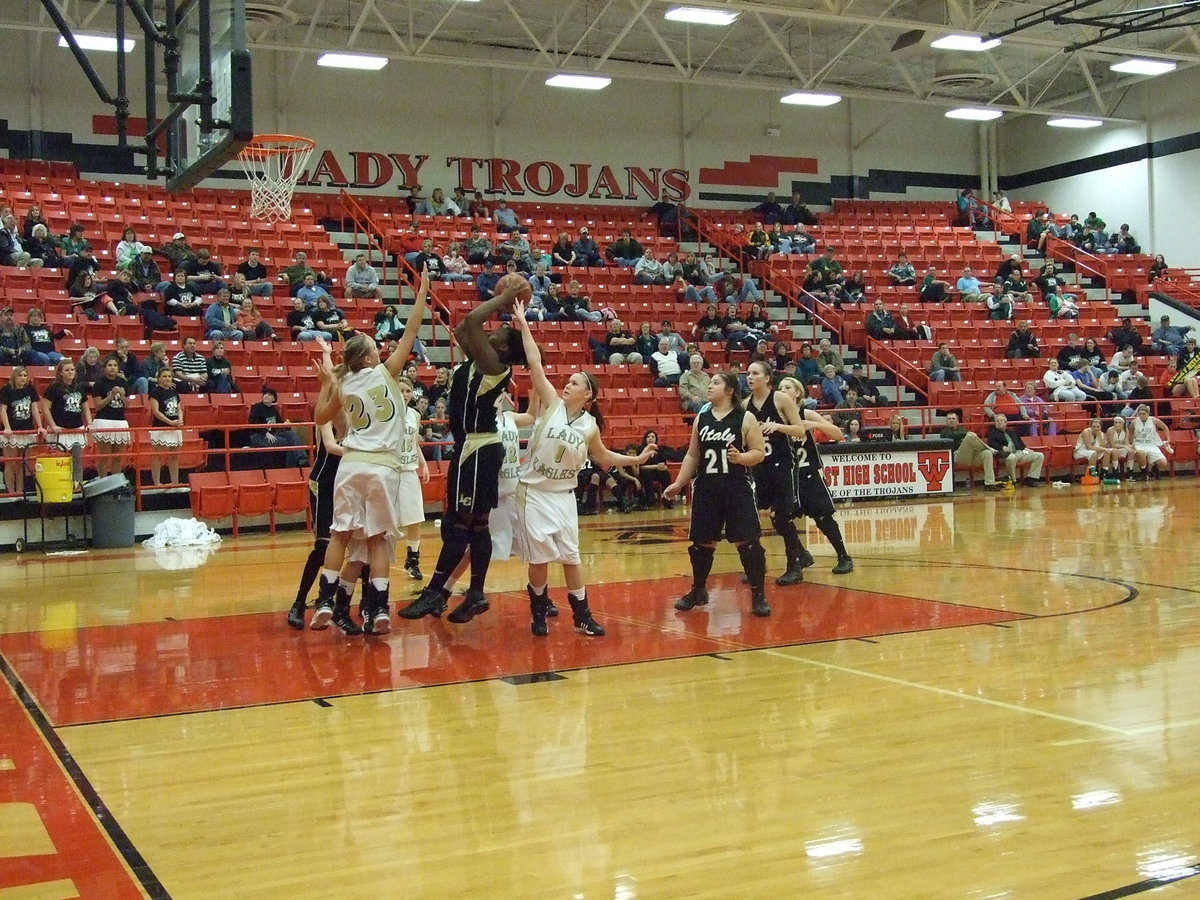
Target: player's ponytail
[[593, 406], [356, 351]]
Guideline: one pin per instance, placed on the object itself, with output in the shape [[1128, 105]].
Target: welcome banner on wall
[[852, 470]]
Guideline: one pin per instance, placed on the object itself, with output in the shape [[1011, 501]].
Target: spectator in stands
[[1048, 278], [388, 325], [408, 245], [1006, 402], [1062, 306], [14, 340], [250, 322], [970, 451], [943, 366], [933, 289], [545, 307], [144, 272], [1060, 385], [1110, 381], [220, 319], [648, 270], [664, 363], [131, 368], [794, 239], [91, 297], [738, 335], [84, 261], [437, 205], [311, 291], [619, 344], [120, 293], [41, 246], [825, 277], [90, 368], [414, 199], [1016, 287], [1123, 241], [625, 251], [1042, 227], [1090, 385], [898, 426], [587, 251], [177, 251], [907, 329], [880, 324], [41, 350], [1158, 268], [295, 274], [454, 265], [1001, 202], [1069, 352], [730, 287], [255, 273], [430, 259], [1126, 335], [517, 249], [827, 356], [362, 281], [833, 387], [853, 431], [180, 299], [157, 362], [855, 288], [781, 357], [863, 386], [539, 281], [999, 305], [189, 368], [757, 321], [808, 368], [506, 219], [1176, 382], [12, 253], [969, 212], [577, 306], [128, 248], [220, 371], [1011, 451], [971, 289], [1006, 268], [1023, 343], [708, 326], [204, 273], [673, 338], [1089, 243], [562, 251], [477, 248], [673, 270], [645, 341], [1168, 338], [693, 385], [71, 243], [758, 243], [1092, 357], [266, 413], [796, 213], [902, 271], [769, 210], [486, 281], [331, 320], [1130, 377], [850, 402], [477, 209], [33, 218]]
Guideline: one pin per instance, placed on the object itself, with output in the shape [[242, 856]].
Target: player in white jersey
[[366, 492], [412, 498], [1150, 438], [1091, 447], [565, 435]]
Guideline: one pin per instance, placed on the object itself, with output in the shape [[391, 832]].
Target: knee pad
[[454, 524], [783, 524], [698, 552], [478, 525]]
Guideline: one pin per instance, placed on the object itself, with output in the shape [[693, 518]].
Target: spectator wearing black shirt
[[769, 210], [257, 279], [1023, 343], [266, 413], [796, 213], [41, 340], [204, 273], [180, 299]]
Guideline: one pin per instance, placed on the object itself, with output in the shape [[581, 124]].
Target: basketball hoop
[[273, 163]]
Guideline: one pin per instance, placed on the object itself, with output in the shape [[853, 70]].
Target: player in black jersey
[[812, 493], [775, 479], [473, 480], [726, 444]]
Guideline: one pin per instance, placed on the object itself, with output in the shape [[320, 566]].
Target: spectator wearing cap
[[486, 281], [177, 252], [587, 251], [867, 392], [1168, 338], [204, 273], [144, 272], [506, 220]]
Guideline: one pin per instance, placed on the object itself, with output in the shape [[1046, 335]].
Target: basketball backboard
[[213, 53]]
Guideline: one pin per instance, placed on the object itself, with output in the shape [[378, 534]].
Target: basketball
[[524, 291]]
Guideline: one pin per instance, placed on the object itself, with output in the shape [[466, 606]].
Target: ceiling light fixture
[[807, 98], [97, 42], [1144, 66], [352, 61], [1073, 122], [700, 16], [579, 82], [969, 42], [974, 114]]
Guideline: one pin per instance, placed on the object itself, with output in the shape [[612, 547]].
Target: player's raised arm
[[539, 383], [395, 362]]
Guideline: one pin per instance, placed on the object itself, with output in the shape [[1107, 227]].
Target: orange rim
[[260, 144]]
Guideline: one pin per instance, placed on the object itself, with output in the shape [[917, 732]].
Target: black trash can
[[111, 507]]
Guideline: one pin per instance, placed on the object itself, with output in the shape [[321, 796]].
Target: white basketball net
[[273, 164]]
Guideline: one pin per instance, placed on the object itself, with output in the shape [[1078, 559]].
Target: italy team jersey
[[410, 453], [557, 449], [510, 439], [375, 411]]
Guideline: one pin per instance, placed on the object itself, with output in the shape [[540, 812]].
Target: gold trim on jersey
[[375, 457]]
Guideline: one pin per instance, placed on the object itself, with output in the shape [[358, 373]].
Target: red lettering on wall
[[639, 178], [505, 176], [366, 162], [327, 167], [677, 184], [606, 186], [544, 178], [410, 168], [580, 186], [466, 170]]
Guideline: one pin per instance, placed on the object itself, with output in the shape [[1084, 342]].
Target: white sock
[[329, 576], [414, 546], [347, 586], [538, 590], [380, 584], [579, 595]]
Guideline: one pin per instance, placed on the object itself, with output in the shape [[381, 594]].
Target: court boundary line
[[103, 816]]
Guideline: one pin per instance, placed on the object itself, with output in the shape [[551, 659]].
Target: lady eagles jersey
[[375, 411], [558, 448], [716, 437], [410, 452], [510, 439]]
